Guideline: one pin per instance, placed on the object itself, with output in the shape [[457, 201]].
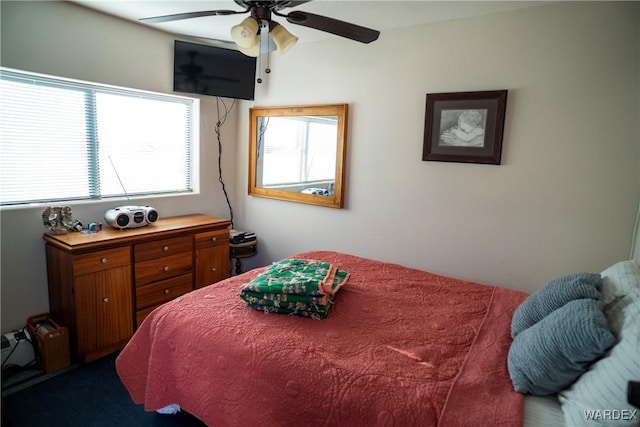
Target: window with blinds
[[64, 140]]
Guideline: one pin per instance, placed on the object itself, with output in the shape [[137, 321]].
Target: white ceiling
[[379, 15]]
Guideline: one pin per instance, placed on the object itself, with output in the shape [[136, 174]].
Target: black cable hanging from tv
[[219, 124]]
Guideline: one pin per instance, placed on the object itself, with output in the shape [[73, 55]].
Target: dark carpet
[[90, 395]]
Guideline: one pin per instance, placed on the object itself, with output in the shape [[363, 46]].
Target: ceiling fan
[[250, 35]]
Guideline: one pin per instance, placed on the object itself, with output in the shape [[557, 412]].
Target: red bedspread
[[400, 347]]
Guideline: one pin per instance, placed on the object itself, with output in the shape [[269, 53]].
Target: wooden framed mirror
[[298, 153]]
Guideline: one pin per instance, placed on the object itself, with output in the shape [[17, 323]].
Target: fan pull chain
[[267, 70], [264, 49]]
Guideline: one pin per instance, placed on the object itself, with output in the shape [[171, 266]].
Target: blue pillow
[[552, 296], [553, 353]]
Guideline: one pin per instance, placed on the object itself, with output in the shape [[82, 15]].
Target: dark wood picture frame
[[464, 127]]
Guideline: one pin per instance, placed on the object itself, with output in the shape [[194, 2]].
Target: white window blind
[[64, 140]]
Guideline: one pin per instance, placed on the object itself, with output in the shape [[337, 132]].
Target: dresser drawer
[[163, 291], [100, 261], [212, 238], [164, 268], [162, 248]]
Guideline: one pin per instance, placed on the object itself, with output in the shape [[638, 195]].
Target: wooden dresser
[[103, 285]]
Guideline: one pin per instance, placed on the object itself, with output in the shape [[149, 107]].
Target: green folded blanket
[[296, 287]]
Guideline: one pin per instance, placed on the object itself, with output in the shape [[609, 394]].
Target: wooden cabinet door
[[212, 257], [104, 309], [212, 265]]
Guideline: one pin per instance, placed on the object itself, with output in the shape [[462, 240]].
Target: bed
[[398, 347]]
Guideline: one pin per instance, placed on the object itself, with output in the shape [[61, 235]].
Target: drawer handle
[[213, 239], [166, 248], [213, 269], [166, 291], [105, 299], [166, 268], [104, 260]]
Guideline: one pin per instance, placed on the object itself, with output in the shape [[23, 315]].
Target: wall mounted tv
[[211, 70]]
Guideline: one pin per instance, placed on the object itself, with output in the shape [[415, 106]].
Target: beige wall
[[565, 195], [563, 200]]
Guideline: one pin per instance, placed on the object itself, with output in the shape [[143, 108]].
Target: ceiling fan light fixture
[[282, 38], [245, 34], [253, 51]]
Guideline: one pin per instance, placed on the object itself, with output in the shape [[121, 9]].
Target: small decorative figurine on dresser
[[59, 220]]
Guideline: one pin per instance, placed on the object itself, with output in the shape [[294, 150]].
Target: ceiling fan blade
[[333, 26], [289, 3], [189, 15]]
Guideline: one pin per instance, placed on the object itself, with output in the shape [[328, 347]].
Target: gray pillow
[[553, 353], [552, 296]]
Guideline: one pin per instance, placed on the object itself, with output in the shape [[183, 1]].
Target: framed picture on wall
[[464, 127]]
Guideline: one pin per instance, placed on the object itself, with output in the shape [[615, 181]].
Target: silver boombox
[[130, 216]]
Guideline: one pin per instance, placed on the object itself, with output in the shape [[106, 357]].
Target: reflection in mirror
[[297, 153]]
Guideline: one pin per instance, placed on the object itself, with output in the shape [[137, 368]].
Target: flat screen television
[[211, 70]]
